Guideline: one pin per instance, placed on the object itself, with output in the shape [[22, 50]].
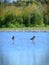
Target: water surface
[[24, 51]]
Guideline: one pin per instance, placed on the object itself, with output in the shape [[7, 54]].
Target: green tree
[[46, 19]]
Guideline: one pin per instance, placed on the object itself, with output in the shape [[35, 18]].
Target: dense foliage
[[24, 14]]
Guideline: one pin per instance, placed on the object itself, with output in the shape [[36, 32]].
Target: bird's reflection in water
[[34, 52]]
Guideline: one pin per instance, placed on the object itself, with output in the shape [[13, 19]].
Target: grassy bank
[[25, 28]]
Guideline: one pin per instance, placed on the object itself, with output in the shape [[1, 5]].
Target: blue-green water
[[24, 51]]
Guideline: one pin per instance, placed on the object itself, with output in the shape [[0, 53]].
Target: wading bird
[[13, 39], [32, 38]]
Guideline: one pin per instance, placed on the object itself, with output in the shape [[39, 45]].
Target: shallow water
[[23, 51]]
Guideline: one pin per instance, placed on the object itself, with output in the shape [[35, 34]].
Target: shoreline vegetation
[[26, 29], [29, 14]]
